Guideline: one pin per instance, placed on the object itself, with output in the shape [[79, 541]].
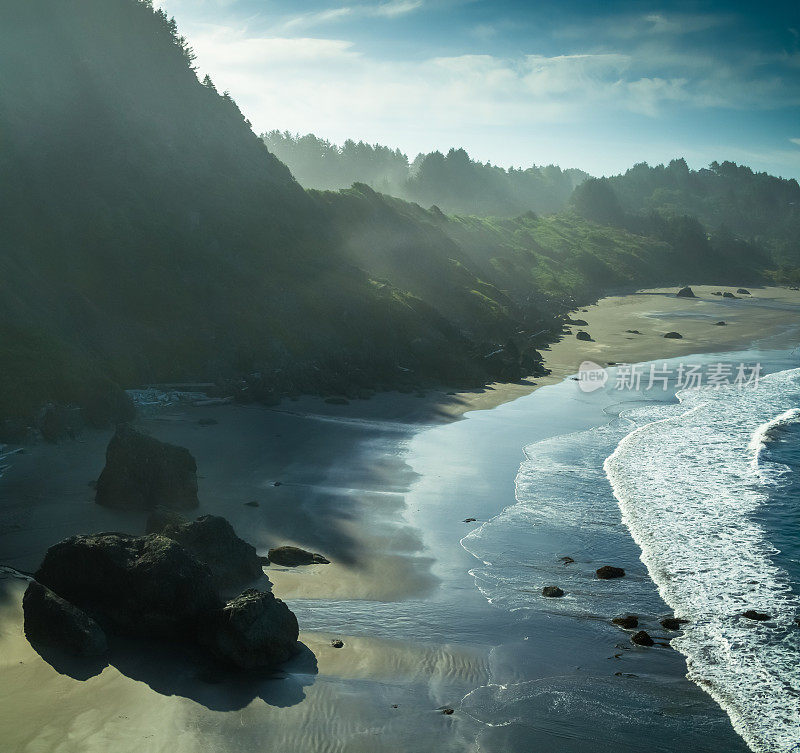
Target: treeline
[[730, 201], [453, 182]]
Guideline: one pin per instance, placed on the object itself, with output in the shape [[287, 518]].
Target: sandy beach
[[335, 479]]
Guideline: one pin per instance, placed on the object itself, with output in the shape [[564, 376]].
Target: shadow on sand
[[172, 669]]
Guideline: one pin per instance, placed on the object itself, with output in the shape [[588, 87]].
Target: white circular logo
[[591, 376]]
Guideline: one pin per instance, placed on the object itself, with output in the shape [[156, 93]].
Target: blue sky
[[596, 85]]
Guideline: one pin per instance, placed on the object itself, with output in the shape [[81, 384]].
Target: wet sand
[[345, 490]]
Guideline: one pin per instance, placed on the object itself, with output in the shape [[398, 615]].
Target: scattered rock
[[252, 503], [53, 621], [633, 332], [743, 291], [469, 520], [277, 483], [292, 556], [628, 622], [686, 292], [140, 585], [254, 630], [142, 473], [726, 294], [751, 614], [160, 518], [567, 560], [642, 638], [720, 324], [674, 335], [447, 711], [718, 292], [552, 592], [673, 623], [581, 335], [337, 643], [577, 322], [606, 572], [212, 540]]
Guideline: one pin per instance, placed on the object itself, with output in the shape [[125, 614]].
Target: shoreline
[[368, 485]]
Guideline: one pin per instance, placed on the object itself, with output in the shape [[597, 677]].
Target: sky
[[595, 85]]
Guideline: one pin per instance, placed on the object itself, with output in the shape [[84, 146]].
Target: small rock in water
[[673, 623], [608, 571], [277, 483], [642, 639], [469, 520], [719, 324], [726, 294], [567, 560], [686, 292], [751, 614], [447, 711], [718, 292], [337, 643], [633, 332], [674, 336], [252, 503], [743, 291], [583, 335], [629, 622], [552, 592]]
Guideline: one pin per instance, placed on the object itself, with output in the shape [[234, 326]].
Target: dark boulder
[[212, 540], [628, 622], [752, 614], [52, 621], [292, 556], [642, 639], [726, 294], [254, 630], [337, 643], [140, 585], [142, 473], [719, 324], [633, 332], [718, 292], [673, 623], [686, 292], [577, 322], [552, 592], [743, 291], [469, 520], [606, 572], [581, 335], [674, 335]]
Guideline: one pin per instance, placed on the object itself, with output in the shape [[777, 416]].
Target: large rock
[[606, 572], [686, 292], [52, 621], [552, 592], [142, 473], [254, 630], [642, 638], [292, 556], [147, 585], [581, 335], [212, 540], [674, 336]]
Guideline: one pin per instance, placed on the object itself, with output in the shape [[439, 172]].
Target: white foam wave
[[688, 485]]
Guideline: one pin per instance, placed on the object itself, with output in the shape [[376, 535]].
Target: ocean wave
[[688, 486]]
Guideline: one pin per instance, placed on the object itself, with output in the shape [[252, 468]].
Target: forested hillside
[[453, 182], [149, 236]]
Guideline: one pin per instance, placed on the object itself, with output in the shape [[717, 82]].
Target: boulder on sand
[[139, 585], [142, 473], [606, 572], [292, 556], [254, 630], [674, 336], [628, 622], [743, 291], [686, 292], [581, 335], [726, 294], [212, 540], [642, 638], [52, 621], [719, 324], [552, 592]]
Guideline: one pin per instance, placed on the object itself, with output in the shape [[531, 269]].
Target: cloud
[[653, 25], [390, 9], [795, 141]]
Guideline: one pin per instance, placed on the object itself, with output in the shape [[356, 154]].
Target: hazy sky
[[597, 85]]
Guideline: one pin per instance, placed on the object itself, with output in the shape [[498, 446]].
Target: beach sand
[[342, 483]]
